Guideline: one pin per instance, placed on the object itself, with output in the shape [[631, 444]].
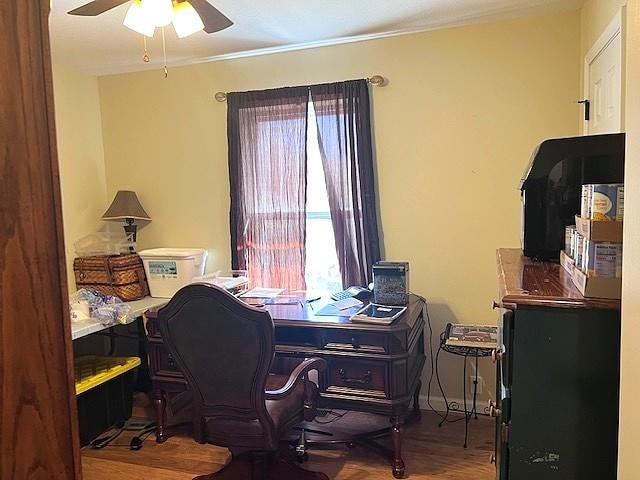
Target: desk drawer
[[357, 377], [298, 337], [162, 363], [351, 341]]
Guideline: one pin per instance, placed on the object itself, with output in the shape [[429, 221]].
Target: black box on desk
[[391, 283], [104, 393]]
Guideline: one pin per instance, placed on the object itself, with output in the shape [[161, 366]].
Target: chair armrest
[[297, 374]]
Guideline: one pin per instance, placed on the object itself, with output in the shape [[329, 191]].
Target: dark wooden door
[[38, 426]]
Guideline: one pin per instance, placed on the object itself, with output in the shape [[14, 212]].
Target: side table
[[465, 352]]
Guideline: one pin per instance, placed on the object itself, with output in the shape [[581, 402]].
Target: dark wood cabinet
[[370, 368], [558, 376]]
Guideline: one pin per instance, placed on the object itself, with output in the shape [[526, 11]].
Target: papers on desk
[[260, 292], [230, 283], [341, 308]]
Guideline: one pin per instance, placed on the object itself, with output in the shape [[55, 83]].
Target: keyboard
[[341, 295]]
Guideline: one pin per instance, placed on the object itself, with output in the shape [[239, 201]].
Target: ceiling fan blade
[[213, 19], [96, 7]]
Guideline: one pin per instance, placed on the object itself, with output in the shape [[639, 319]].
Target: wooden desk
[[370, 368]]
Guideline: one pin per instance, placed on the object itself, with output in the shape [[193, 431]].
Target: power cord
[[444, 396], [434, 367], [425, 310], [134, 444], [434, 364], [102, 442]]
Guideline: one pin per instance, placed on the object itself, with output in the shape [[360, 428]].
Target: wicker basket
[[118, 275]]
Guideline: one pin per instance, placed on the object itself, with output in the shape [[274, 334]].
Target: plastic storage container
[[104, 392], [169, 269]]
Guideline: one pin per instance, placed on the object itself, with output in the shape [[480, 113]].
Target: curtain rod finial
[[377, 81], [220, 96]]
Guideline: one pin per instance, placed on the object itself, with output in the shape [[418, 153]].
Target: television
[[551, 187]]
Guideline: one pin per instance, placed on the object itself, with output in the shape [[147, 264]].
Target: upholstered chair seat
[[224, 348]]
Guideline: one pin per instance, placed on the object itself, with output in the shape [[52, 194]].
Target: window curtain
[[344, 133], [267, 134]]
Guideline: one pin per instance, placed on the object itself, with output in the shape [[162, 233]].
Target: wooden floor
[[429, 453]]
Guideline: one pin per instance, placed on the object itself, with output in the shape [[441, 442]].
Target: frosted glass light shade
[[186, 20], [137, 20], [158, 12]]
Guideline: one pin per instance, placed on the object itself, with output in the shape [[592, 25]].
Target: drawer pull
[[171, 361], [366, 380], [493, 410], [355, 342], [505, 306], [496, 355]]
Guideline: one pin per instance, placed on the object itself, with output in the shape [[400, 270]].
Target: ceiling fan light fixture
[[136, 20], [186, 20], [158, 12]]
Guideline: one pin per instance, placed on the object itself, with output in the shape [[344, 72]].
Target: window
[[321, 267], [302, 195]]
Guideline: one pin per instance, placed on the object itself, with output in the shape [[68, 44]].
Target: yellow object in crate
[[92, 370]]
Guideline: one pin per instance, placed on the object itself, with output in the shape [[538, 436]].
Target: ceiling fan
[[212, 19]]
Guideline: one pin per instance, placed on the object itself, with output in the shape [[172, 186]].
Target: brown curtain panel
[[267, 134], [344, 133]]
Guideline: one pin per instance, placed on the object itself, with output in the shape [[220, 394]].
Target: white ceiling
[[102, 45]]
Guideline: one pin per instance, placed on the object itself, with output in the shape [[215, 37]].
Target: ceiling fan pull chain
[[164, 52], [145, 57]]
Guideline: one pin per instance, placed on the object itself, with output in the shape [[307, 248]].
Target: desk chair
[[225, 348]]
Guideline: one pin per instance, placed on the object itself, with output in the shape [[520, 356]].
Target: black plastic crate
[[104, 393]]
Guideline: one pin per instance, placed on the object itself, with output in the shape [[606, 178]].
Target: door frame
[[604, 40], [38, 414]]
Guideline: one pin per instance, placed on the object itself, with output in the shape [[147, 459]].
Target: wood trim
[[38, 419], [613, 29]]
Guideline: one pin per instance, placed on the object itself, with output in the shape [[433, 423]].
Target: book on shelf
[[475, 336], [380, 314]]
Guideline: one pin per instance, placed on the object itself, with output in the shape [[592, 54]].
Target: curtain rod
[[376, 81]]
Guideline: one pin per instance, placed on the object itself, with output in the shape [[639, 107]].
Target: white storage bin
[[170, 269]]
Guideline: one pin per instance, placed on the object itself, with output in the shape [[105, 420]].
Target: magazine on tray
[[477, 336]]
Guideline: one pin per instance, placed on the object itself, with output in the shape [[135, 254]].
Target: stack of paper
[[261, 292]]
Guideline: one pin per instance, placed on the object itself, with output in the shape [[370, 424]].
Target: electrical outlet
[[472, 379]]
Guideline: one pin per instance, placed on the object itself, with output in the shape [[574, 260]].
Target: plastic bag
[[87, 304], [102, 243]]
